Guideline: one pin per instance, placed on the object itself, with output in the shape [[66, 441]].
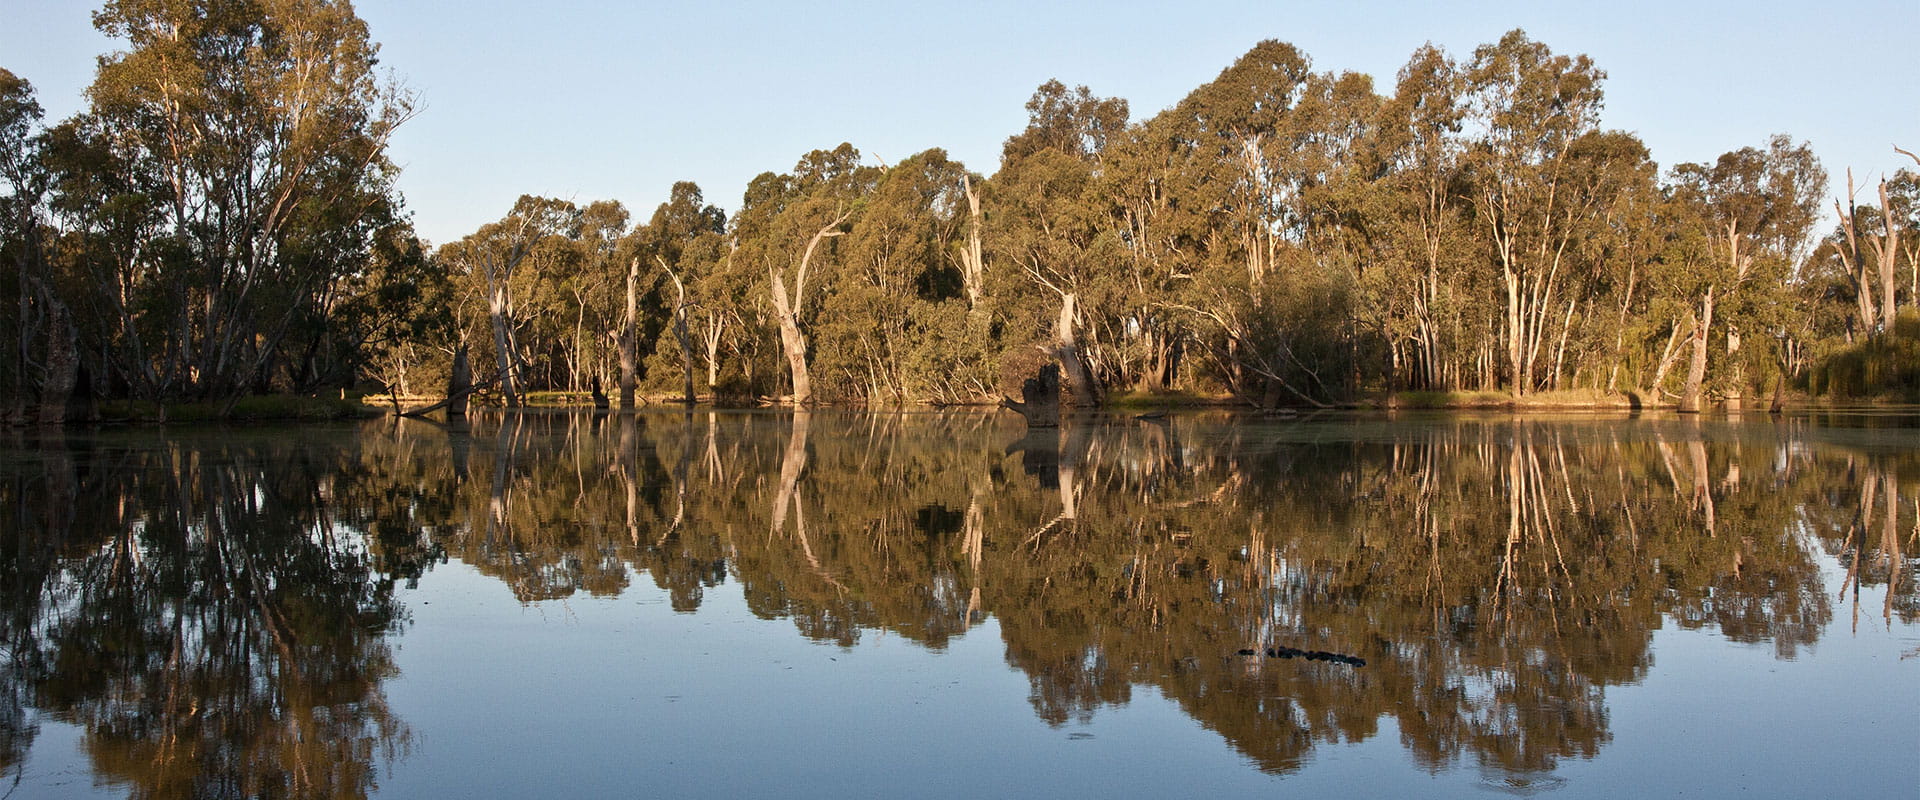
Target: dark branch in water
[[1310, 655]]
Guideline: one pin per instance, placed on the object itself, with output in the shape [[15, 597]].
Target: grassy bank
[[1147, 401], [1563, 399], [1879, 370]]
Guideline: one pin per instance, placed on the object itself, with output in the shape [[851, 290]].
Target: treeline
[[221, 220]]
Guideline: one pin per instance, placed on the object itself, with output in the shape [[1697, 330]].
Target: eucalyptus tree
[[1900, 204], [1756, 209], [23, 230], [1623, 236], [1052, 220], [397, 314], [1612, 188], [493, 254], [1527, 108], [594, 289], [1878, 261], [267, 129], [685, 240], [1268, 164], [1148, 179], [126, 276], [1244, 128], [896, 322], [787, 221], [1422, 228]]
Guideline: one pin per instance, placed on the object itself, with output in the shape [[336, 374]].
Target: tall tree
[[890, 335], [684, 238], [1756, 209], [23, 230], [1422, 224], [1529, 106], [494, 253], [268, 128], [789, 221], [1052, 220]]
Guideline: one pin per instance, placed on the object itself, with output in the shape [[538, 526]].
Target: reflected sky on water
[[946, 604]]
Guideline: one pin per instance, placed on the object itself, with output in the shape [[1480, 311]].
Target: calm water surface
[[886, 605]]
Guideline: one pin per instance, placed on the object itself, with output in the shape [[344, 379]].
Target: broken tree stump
[[459, 384], [1039, 399]]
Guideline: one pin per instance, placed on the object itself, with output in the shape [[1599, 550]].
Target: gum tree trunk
[[1697, 368], [627, 341]]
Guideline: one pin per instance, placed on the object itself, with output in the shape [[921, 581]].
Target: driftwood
[[1039, 399]]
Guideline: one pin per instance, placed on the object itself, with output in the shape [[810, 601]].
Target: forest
[[221, 222]]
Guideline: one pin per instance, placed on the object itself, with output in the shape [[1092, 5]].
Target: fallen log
[[458, 397]]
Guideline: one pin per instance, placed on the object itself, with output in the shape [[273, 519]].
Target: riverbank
[[261, 408], [1566, 400], [1137, 402]]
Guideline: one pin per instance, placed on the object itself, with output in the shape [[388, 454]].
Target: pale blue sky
[[592, 100]]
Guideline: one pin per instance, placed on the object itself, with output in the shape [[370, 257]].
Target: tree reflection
[[1495, 576], [207, 625]]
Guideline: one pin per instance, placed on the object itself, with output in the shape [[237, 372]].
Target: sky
[[618, 100]]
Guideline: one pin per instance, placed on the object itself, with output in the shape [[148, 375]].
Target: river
[[848, 604]]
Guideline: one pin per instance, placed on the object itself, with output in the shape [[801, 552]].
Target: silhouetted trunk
[[1736, 387], [793, 343], [973, 265], [459, 384], [1886, 250], [62, 366], [712, 340], [681, 335]]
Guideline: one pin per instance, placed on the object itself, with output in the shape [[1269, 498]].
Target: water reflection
[[199, 614], [216, 613]]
